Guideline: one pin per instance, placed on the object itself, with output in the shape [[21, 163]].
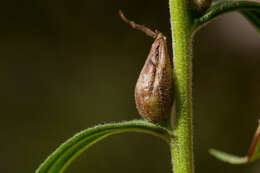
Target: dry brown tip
[[142, 28]]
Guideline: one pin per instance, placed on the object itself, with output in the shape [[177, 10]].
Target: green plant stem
[[181, 144]]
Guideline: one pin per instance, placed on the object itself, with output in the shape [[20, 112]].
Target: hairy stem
[[181, 144]]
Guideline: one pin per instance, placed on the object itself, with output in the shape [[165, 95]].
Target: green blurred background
[[68, 65]]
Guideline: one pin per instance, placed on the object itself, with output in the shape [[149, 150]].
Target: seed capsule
[[154, 87], [153, 92]]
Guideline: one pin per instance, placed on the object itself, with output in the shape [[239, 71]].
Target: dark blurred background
[[68, 65]]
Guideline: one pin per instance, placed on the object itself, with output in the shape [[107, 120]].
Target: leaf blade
[[253, 17], [220, 8], [229, 158], [253, 154], [68, 151]]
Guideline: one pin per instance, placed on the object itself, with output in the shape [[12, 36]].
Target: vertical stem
[[181, 145]]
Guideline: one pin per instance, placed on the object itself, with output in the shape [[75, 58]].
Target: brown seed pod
[[153, 92], [154, 87]]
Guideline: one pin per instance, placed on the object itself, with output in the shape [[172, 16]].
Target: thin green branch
[[181, 145]]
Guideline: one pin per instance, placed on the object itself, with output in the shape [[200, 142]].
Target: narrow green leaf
[[253, 154], [252, 16], [68, 151], [229, 158], [249, 9]]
